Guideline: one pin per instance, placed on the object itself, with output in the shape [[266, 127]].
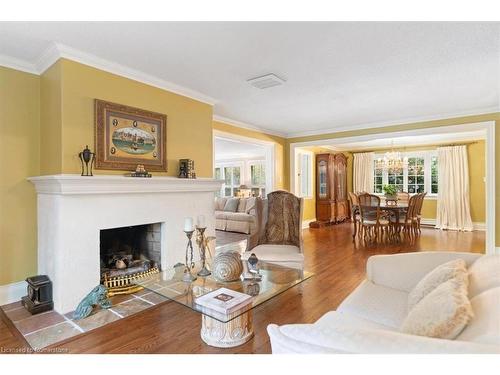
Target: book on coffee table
[[224, 301]]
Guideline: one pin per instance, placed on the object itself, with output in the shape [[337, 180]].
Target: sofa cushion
[[231, 204], [443, 313], [335, 319], [220, 202], [220, 215], [484, 274], [377, 303], [436, 277], [484, 327], [239, 216]]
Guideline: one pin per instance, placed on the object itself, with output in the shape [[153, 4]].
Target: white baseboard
[[305, 223], [476, 226], [12, 292], [497, 250]]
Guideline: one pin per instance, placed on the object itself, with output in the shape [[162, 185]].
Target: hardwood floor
[[338, 265]]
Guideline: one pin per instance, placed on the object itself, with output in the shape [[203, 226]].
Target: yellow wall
[[51, 120], [19, 158], [424, 125], [189, 122], [280, 178]]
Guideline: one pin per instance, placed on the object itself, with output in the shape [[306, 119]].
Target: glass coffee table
[[221, 330]]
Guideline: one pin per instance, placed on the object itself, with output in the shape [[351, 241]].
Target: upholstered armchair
[[279, 236]]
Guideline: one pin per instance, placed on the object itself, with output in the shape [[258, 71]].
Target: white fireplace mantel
[[72, 210], [71, 184]]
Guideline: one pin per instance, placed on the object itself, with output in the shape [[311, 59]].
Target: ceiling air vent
[[266, 81]]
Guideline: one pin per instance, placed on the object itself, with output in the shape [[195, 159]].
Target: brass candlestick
[[202, 244], [188, 276]]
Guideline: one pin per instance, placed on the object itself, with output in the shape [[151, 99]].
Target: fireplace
[[130, 250], [73, 210]]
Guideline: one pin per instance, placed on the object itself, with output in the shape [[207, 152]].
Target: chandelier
[[392, 162]]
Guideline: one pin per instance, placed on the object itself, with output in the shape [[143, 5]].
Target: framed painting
[[127, 136]]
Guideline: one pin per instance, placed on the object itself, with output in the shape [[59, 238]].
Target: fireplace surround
[[72, 211]]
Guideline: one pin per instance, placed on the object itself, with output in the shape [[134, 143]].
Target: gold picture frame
[[127, 136]]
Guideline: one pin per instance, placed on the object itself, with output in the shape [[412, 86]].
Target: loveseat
[[368, 320], [236, 214]]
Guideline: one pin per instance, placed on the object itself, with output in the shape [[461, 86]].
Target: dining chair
[[419, 210], [373, 222], [403, 196], [355, 217], [409, 220]]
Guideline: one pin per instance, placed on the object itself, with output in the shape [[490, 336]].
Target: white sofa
[[368, 320], [241, 220]]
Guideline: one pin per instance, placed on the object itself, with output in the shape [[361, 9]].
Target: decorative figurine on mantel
[[186, 168], [140, 171], [87, 159]]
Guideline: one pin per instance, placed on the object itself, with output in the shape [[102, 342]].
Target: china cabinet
[[331, 190]]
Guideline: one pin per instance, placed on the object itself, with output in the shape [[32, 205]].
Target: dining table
[[398, 210]]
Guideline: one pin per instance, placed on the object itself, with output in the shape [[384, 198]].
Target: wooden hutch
[[332, 206]]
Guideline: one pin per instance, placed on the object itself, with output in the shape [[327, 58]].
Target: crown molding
[[57, 51], [383, 124], [243, 125], [18, 64]]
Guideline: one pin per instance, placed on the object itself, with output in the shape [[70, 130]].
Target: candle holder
[[202, 244], [188, 276]]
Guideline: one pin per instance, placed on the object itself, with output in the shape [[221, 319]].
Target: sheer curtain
[[363, 172], [453, 203]]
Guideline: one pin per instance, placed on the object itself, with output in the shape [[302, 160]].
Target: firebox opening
[[129, 250]]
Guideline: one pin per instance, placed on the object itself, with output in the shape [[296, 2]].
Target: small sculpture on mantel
[[87, 159]]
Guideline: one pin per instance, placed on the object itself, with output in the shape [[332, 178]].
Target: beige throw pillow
[[443, 313], [436, 277]]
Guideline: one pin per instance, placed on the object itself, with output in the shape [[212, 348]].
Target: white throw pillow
[[443, 313], [484, 328], [436, 277], [484, 274]]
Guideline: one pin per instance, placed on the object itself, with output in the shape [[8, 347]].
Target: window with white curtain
[[419, 176]]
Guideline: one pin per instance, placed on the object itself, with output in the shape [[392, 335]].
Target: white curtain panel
[[453, 203], [363, 172]]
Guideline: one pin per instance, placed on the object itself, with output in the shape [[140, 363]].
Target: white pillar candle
[[200, 221], [188, 224]]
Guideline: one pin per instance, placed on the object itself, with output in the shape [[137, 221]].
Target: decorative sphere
[[227, 266]]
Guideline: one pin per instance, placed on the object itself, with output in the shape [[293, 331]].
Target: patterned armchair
[[279, 236]]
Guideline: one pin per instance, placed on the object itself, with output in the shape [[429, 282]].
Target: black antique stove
[[39, 298]]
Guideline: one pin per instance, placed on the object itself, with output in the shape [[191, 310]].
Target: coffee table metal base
[[227, 335]]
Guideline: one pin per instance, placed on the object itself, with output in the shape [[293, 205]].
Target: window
[[303, 182], [434, 175], [420, 176], [258, 178], [241, 172], [416, 175], [231, 177], [377, 180]]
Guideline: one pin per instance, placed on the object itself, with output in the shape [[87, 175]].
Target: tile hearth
[[50, 327]]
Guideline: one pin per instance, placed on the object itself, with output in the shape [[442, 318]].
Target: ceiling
[[339, 75], [408, 141], [227, 149]]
